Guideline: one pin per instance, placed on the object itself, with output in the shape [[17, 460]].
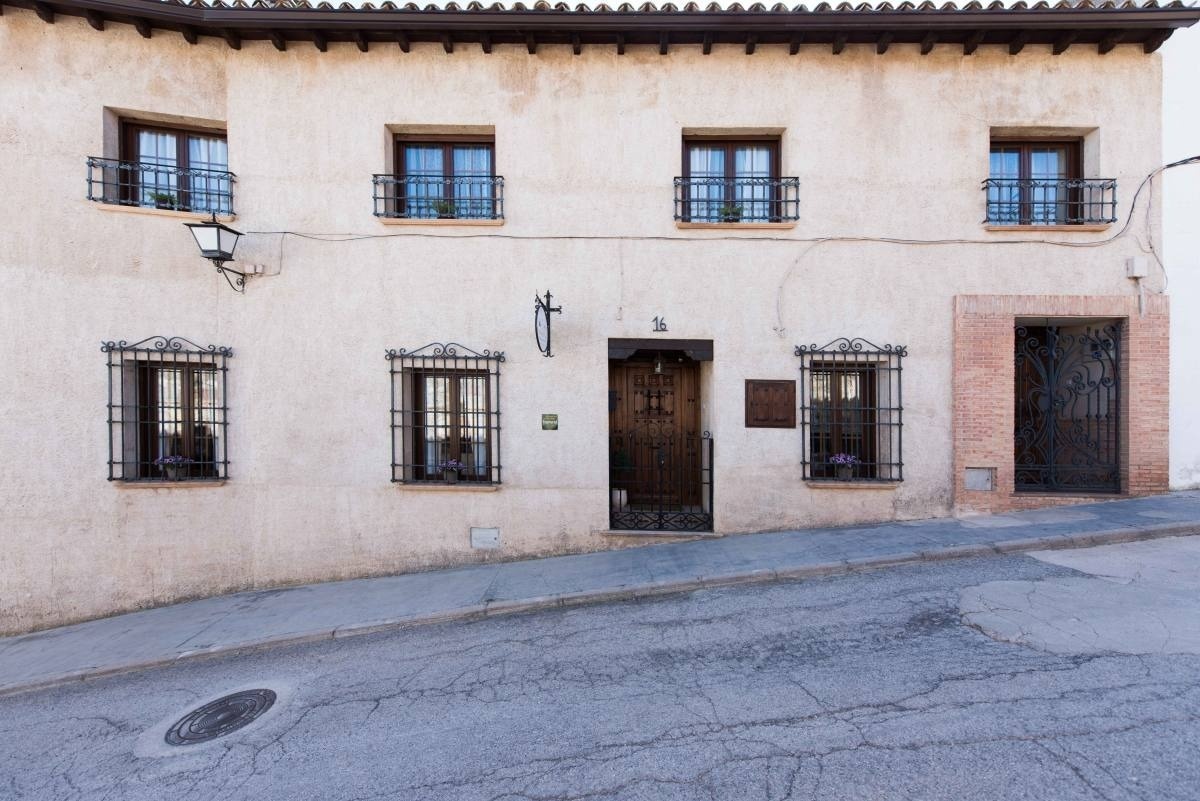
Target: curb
[[629, 592]]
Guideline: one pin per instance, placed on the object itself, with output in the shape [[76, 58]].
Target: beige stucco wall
[[892, 145]]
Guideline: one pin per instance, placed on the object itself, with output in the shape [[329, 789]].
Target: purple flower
[[844, 459], [172, 461]]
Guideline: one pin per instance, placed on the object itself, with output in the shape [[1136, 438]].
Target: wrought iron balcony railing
[[425, 197], [155, 186], [1050, 201], [737, 200]]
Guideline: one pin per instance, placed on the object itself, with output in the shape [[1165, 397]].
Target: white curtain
[[158, 187], [209, 192], [473, 184], [423, 171]]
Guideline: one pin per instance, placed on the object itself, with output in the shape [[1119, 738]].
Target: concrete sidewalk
[[319, 611]]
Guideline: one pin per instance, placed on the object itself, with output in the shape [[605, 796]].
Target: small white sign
[[485, 538]]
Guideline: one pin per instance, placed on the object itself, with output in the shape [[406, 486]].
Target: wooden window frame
[[868, 425], [129, 151], [730, 144], [790, 384], [1025, 146], [454, 413], [148, 420], [447, 143]]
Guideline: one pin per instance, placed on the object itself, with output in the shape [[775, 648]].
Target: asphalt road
[[869, 686]]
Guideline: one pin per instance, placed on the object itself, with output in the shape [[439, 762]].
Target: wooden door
[[654, 429]]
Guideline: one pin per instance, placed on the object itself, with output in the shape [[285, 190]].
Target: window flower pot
[[845, 472], [450, 476], [173, 473]]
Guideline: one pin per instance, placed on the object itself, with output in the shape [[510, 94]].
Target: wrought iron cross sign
[[541, 322]]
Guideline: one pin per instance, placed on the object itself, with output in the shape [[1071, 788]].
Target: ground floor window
[[850, 410], [166, 410], [1068, 407], [445, 414]]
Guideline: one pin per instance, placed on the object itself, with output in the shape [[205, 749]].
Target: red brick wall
[[984, 386]]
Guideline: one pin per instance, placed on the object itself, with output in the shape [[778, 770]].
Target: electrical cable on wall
[[811, 241]]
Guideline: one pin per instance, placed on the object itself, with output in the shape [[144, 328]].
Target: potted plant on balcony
[[730, 213], [163, 200], [450, 469], [174, 467], [843, 464], [445, 209]]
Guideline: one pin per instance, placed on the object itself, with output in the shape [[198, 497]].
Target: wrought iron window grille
[[1050, 201], [149, 185], [851, 410], [425, 197], [737, 200], [167, 412], [445, 416], [1068, 408]]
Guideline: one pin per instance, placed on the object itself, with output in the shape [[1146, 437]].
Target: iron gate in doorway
[[660, 480], [1068, 408]]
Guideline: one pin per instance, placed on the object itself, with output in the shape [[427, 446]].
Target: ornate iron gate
[[660, 480], [1068, 408]]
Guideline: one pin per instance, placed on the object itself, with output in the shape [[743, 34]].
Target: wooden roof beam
[[664, 43], [751, 43], [143, 27], [620, 44], [928, 42], [1155, 41], [360, 40], [1018, 42], [277, 39], [1109, 42], [45, 13], [576, 44], [231, 38], [447, 43], [839, 43], [485, 42], [1063, 42], [972, 43], [402, 40], [189, 34], [794, 44], [95, 19], [706, 49], [320, 41], [531, 43], [883, 42]]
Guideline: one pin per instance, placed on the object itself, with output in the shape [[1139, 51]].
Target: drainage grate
[[220, 717]]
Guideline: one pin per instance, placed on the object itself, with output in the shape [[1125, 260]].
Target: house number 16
[[660, 324]]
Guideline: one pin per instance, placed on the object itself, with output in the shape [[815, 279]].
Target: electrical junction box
[[979, 479], [488, 538], [1135, 267]]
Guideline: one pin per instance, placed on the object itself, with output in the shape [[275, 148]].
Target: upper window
[[850, 410], [447, 178], [734, 181], [166, 410], [165, 168], [1041, 183], [445, 414]]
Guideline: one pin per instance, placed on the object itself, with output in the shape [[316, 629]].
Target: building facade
[[791, 269]]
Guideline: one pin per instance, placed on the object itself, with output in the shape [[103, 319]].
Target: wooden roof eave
[[1092, 25]]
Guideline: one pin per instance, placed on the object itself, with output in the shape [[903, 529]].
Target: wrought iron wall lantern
[[217, 242], [541, 322]]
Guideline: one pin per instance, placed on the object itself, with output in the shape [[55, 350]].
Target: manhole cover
[[220, 717]]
